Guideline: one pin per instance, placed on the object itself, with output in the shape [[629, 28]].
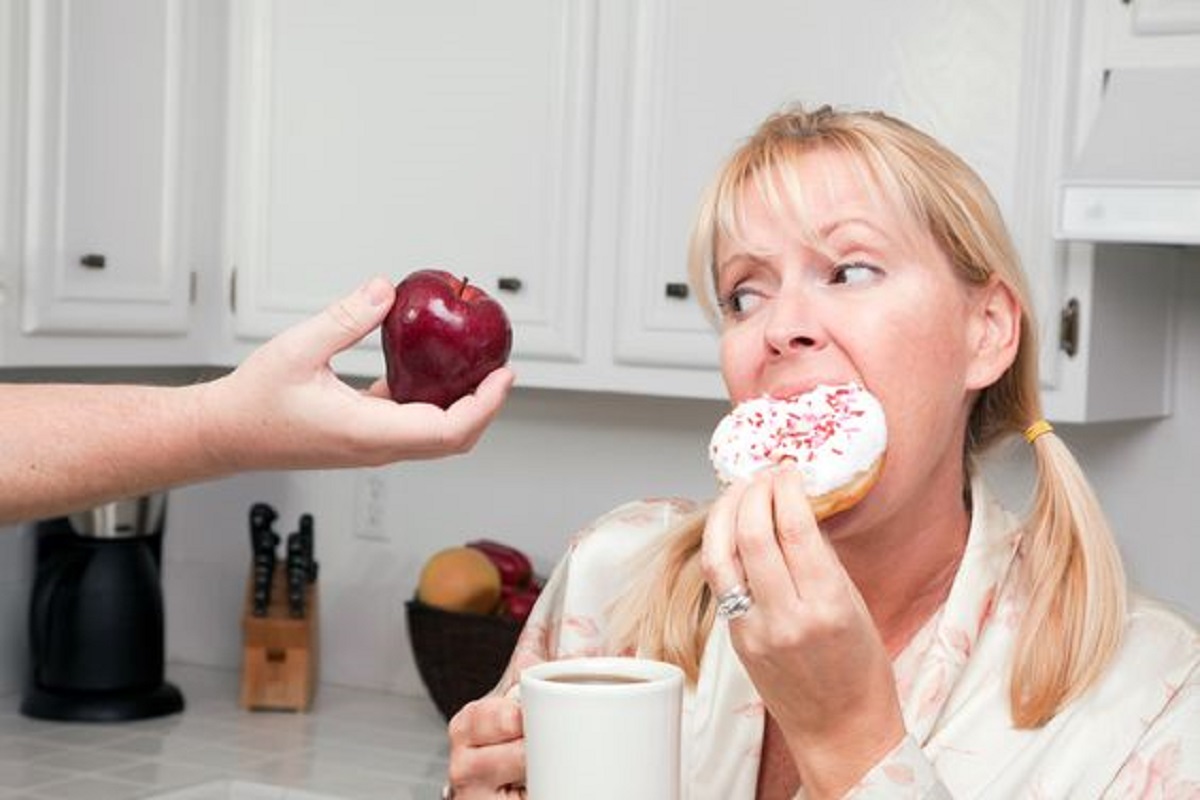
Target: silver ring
[[734, 602]]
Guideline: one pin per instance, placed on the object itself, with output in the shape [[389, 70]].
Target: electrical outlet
[[370, 506]]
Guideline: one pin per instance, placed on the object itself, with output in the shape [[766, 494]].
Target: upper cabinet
[[188, 177], [107, 97], [1107, 306], [376, 138], [561, 147], [111, 154], [701, 76]]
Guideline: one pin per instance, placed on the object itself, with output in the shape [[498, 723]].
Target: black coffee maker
[[96, 627]]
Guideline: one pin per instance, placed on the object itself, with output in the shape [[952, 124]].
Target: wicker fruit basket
[[460, 657]]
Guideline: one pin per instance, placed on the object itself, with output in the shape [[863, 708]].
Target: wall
[[552, 462]]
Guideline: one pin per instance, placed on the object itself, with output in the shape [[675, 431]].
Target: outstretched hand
[[284, 407]]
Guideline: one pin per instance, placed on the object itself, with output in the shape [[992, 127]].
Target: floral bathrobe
[[1134, 735]]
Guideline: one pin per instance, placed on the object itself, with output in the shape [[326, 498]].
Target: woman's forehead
[[815, 196]]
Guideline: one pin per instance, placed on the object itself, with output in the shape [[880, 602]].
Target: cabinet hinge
[[233, 290], [1068, 328]]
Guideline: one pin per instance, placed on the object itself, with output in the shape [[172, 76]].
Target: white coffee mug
[[600, 728]]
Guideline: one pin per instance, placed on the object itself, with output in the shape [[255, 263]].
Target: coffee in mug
[[591, 677]]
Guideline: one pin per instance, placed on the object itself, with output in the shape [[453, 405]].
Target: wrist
[[217, 443], [832, 767]]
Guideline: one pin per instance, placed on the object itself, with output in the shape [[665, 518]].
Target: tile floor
[[354, 745]]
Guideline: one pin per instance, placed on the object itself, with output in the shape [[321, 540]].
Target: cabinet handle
[[1068, 328], [509, 284], [93, 261], [679, 291]]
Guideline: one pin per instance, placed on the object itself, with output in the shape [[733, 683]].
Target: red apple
[[515, 567], [441, 337], [516, 602]]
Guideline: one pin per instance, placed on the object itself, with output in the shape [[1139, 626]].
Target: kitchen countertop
[[354, 744]]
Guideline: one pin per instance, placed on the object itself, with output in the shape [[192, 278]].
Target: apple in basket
[[482, 577], [516, 602], [519, 587]]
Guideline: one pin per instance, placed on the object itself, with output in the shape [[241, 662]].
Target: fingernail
[[377, 291]]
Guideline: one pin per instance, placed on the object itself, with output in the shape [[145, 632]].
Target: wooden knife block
[[279, 653]]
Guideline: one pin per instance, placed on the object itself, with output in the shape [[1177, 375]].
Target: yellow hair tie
[[1037, 429]]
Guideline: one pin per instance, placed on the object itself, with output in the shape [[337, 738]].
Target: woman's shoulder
[[630, 527], [641, 518], [571, 616], [1157, 630]]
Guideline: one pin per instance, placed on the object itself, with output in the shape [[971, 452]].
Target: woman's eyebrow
[[739, 257]]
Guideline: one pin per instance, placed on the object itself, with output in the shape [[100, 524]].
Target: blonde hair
[[1069, 567]]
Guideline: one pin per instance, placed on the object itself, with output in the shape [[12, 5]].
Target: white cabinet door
[[705, 74], [1106, 312], [106, 189], [376, 138]]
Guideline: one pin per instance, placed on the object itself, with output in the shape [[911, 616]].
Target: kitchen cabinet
[[9, 219], [702, 76], [374, 138], [554, 152], [107, 180], [368, 138], [1107, 310], [111, 152], [358, 148], [1105, 313]]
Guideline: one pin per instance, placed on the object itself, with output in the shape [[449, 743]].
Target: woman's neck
[[904, 571]]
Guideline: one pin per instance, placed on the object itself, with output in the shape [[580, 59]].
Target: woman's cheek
[[738, 367]]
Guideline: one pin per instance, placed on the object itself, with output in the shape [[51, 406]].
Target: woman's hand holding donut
[[808, 641], [487, 750]]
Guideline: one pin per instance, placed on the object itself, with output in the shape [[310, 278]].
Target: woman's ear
[[994, 333]]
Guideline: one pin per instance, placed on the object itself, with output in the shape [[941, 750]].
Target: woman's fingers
[[718, 552], [758, 547], [487, 747], [805, 551]]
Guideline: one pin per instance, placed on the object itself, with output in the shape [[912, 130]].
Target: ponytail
[[1072, 575]]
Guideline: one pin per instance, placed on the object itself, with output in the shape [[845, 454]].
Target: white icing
[[831, 434]]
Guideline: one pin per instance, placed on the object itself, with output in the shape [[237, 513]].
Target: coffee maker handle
[[46, 587]]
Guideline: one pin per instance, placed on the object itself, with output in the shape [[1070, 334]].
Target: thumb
[[346, 322]]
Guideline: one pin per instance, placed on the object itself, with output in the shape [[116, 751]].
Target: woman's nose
[[792, 328]]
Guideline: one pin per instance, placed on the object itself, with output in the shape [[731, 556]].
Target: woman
[[925, 642]]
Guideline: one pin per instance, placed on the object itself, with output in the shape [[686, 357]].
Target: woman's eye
[[854, 272], [739, 302]]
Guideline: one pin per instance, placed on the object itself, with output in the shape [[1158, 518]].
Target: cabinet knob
[[509, 284], [93, 261], [679, 291]]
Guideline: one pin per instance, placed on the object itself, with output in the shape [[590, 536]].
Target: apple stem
[[463, 287]]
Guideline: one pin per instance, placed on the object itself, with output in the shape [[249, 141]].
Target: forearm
[[69, 447]]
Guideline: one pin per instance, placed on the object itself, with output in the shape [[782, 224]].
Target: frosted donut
[[835, 435]]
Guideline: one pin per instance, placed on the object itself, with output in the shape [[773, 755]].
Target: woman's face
[[859, 293]]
